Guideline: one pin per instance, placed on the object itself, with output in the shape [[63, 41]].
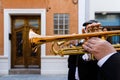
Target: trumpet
[[36, 40]]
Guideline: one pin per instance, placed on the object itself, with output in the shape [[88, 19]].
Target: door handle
[[10, 36]]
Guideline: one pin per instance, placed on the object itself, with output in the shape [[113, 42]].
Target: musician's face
[[105, 29]]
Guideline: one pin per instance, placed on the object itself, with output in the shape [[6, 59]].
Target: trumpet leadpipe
[[38, 39]]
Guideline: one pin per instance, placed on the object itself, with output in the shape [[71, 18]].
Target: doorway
[[22, 55]]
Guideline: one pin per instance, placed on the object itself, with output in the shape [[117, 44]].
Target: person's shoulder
[[113, 59], [117, 55]]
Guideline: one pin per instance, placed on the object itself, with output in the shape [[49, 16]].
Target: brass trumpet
[[36, 40]]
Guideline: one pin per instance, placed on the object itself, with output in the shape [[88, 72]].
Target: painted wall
[[1, 29], [57, 64], [61, 6], [16, 4], [56, 6], [103, 6]]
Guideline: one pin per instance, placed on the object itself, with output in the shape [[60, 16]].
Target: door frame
[[7, 28]]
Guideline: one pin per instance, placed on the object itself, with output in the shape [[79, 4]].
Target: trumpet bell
[[36, 40]]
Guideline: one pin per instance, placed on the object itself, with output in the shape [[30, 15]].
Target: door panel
[[22, 54], [18, 46]]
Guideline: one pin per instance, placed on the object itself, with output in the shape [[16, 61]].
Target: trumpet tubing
[[36, 40]]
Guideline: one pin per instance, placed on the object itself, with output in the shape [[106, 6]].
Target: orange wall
[[24, 3], [1, 33], [62, 6], [56, 6]]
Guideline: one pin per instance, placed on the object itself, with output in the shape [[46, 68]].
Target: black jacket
[[110, 69], [88, 70]]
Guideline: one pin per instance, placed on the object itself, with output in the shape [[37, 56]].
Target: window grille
[[61, 24]]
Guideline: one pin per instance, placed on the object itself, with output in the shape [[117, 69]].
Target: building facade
[[45, 17]]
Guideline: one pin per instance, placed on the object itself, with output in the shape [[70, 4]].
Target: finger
[[90, 45], [99, 24], [93, 40], [96, 24], [87, 48]]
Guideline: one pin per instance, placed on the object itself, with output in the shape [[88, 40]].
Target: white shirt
[[104, 59]]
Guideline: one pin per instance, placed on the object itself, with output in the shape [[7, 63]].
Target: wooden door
[[22, 55]]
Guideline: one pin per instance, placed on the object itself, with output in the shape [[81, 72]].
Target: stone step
[[24, 71]]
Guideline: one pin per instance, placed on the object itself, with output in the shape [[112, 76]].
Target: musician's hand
[[94, 27], [98, 47]]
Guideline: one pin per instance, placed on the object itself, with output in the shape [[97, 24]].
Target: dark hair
[[90, 22]]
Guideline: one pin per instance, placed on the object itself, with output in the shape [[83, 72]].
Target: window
[[61, 23], [109, 19], [112, 22]]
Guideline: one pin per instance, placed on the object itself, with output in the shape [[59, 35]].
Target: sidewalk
[[33, 77]]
